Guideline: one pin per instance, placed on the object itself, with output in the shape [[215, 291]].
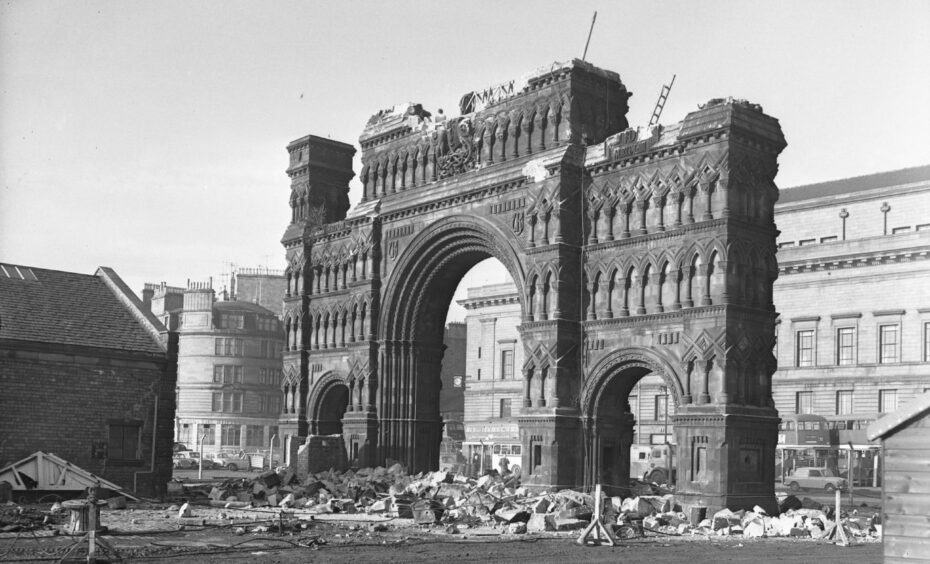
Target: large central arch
[[633, 250], [411, 321]]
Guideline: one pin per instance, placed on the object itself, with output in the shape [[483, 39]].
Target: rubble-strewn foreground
[[332, 508]]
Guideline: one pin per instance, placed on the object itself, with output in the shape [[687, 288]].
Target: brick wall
[[64, 404]]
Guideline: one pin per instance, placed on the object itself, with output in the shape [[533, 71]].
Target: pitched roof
[[67, 308], [890, 423], [855, 184]]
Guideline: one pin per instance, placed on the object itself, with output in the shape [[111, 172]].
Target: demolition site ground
[[384, 515]]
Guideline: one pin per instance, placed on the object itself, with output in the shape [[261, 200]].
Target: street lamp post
[[200, 470]]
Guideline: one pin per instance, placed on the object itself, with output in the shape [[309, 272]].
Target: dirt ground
[[151, 534]]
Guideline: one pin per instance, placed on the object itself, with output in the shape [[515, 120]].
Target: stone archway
[[411, 323], [618, 240], [608, 424], [328, 403]]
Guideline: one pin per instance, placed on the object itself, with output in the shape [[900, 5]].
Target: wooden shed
[[905, 438]]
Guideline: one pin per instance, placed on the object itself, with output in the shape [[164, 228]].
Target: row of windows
[[227, 374], [230, 434], [229, 347], [232, 402], [236, 347], [889, 345], [233, 374], [887, 401], [660, 404]]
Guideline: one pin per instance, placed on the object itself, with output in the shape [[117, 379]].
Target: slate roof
[[67, 308], [855, 184]]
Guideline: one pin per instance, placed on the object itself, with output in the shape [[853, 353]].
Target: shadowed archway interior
[[413, 323]]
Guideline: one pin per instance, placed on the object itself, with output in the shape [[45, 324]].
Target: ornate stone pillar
[[626, 220], [540, 131], [642, 206], [706, 367], [687, 272], [707, 187]]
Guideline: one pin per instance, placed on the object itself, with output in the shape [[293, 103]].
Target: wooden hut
[[905, 438]]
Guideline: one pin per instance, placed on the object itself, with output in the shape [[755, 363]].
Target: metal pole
[[200, 470], [850, 472], [586, 43], [271, 452]]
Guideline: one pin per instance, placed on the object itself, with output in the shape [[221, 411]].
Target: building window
[[505, 407], [231, 321], [254, 435], [209, 435], [844, 402], [845, 346], [661, 407], [804, 402], [506, 365], [124, 441], [227, 374], [231, 435], [887, 401], [805, 348], [804, 242], [888, 344], [829, 239], [479, 373], [227, 402], [479, 352], [228, 347], [184, 433], [927, 342], [633, 402]]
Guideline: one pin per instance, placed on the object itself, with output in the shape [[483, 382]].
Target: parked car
[[191, 459], [229, 461], [816, 478]]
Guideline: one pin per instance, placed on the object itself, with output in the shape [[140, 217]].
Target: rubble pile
[[458, 502]]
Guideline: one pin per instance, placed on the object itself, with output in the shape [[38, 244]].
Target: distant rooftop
[[855, 184]]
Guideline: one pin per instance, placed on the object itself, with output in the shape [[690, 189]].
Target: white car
[[816, 478], [228, 461]]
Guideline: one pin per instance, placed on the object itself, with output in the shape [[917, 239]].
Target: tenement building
[[633, 251], [853, 297], [87, 374], [229, 364]]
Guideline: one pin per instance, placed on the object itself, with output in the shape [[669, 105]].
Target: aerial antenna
[[660, 103], [588, 42]]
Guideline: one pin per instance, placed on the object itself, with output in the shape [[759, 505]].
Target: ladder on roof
[[660, 103]]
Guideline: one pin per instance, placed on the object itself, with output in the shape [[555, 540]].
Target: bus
[[486, 456], [803, 440]]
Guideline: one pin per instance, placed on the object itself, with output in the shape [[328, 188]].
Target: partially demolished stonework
[[634, 252]]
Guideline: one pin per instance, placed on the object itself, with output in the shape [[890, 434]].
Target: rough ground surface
[[152, 535]]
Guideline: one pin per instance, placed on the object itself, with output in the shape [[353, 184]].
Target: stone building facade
[[86, 373], [229, 366], [853, 297], [494, 361]]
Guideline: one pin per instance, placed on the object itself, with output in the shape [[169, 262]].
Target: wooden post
[[596, 533]]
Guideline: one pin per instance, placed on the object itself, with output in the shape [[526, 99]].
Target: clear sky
[[150, 136]]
